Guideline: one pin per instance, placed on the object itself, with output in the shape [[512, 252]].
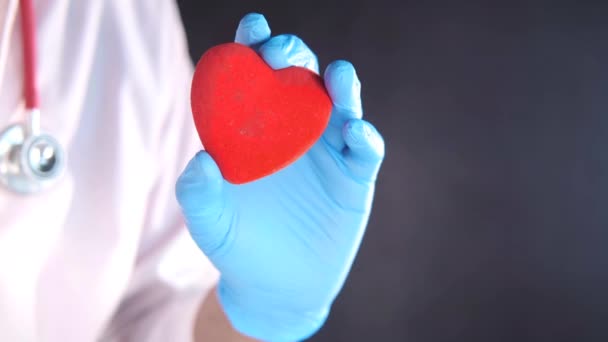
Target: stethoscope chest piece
[[29, 162]]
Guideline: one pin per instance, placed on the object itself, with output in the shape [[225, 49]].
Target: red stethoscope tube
[[28, 28]]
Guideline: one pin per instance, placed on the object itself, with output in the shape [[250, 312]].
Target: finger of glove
[[200, 194], [365, 149], [344, 88], [287, 50], [253, 30]]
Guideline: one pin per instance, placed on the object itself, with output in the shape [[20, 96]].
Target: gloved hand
[[284, 244]]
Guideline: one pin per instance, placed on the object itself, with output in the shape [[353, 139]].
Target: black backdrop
[[491, 213]]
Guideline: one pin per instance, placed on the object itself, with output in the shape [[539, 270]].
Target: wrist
[[212, 324], [265, 318]]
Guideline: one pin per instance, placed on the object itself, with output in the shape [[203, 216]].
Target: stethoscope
[[30, 160]]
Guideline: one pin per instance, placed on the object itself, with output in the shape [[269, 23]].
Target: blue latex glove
[[284, 244]]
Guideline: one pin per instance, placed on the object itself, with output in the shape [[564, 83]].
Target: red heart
[[254, 120]]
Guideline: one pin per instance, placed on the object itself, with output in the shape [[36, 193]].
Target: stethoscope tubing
[[28, 29]]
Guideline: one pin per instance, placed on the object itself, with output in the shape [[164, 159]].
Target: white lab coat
[[104, 255]]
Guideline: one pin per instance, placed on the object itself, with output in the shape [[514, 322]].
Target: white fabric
[[104, 255]]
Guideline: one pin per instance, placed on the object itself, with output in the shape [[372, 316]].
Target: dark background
[[491, 213]]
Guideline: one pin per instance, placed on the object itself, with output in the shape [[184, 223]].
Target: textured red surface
[[254, 120]]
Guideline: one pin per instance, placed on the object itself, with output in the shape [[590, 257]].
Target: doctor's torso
[[67, 254]]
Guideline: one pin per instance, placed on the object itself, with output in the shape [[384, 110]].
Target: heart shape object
[[254, 120]]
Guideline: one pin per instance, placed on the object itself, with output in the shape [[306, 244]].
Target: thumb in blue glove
[[284, 244]]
